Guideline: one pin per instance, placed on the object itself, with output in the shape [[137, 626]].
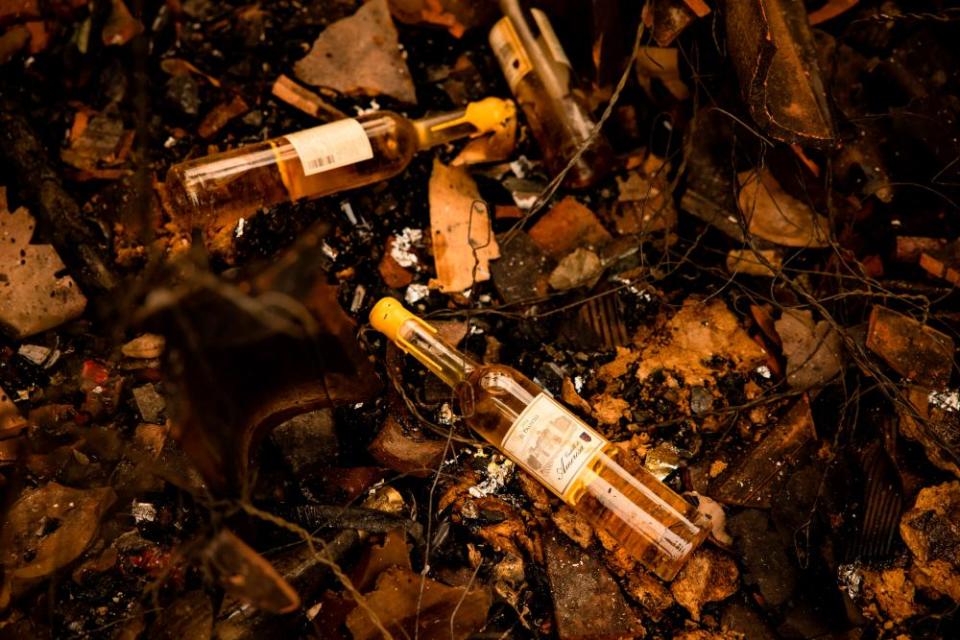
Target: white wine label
[[510, 53], [551, 443], [549, 38], [331, 145]]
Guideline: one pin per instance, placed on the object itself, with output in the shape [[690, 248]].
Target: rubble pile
[[720, 241]]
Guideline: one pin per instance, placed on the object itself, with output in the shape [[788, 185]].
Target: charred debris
[[722, 235]]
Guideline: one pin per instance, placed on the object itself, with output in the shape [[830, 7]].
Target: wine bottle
[[221, 189], [541, 79], [539, 434]]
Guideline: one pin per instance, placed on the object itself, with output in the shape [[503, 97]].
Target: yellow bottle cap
[[490, 114], [388, 315]]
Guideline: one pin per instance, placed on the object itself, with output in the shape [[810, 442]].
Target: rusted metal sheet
[[770, 44], [753, 481]]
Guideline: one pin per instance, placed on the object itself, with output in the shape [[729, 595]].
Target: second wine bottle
[[225, 187]]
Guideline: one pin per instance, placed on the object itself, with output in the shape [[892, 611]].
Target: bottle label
[[510, 53], [331, 145], [549, 38], [551, 443]]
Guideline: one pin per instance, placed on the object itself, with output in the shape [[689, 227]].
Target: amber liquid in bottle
[[652, 522], [540, 78], [221, 189]]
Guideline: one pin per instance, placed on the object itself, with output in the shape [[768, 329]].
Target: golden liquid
[[215, 192], [652, 522]]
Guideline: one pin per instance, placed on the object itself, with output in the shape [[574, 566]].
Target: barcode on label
[[330, 146], [318, 163]]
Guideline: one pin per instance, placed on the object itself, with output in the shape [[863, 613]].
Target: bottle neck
[[445, 127], [423, 342]]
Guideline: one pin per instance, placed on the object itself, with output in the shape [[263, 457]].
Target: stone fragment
[[932, 418], [33, 297], [521, 272], [662, 460], [360, 56], [889, 595], [582, 267], [762, 550], [96, 139], [573, 526], [931, 530], [308, 441], [708, 576], [121, 26], [919, 353], [144, 347], [699, 332], [496, 146], [587, 601], [150, 403], [942, 262], [909, 249], [566, 226], [650, 592], [182, 93], [753, 480]]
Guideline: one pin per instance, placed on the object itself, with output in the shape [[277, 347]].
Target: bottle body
[[225, 187], [540, 78], [652, 522]]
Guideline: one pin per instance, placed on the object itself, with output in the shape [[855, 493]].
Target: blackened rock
[[763, 552], [307, 441], [741, 618], [150, 403], [587, 601], [521, 272], [183, 93]]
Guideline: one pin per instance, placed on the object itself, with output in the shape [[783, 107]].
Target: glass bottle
[[541, 79], [220, 189], [576, 463]]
